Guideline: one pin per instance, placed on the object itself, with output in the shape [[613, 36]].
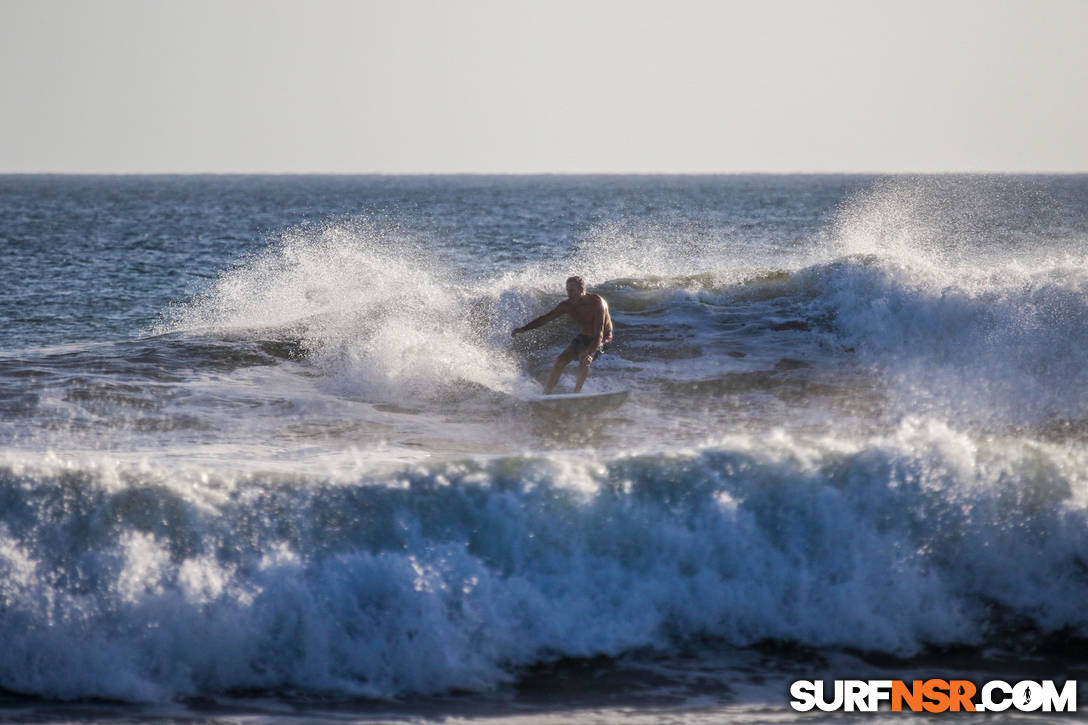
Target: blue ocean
[[269, 452]]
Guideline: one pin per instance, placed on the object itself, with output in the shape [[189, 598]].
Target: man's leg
[[560, 362], [583, 371]]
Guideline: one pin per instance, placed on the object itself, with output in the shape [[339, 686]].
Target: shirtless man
[[590, 311]]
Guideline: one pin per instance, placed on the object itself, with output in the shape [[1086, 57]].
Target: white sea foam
[[955, 310], [1009, 344], [452, 576], [374, 311]]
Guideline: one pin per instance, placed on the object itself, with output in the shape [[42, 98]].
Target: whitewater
[[265, 447]]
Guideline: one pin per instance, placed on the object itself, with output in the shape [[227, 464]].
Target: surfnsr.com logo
[[933, 695]]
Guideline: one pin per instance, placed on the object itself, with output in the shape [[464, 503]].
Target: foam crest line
[[455, 576], [1004, 343]]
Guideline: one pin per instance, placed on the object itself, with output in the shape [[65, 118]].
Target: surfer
[[590, 311]]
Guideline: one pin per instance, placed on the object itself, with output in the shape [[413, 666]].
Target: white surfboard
[[597, 401]]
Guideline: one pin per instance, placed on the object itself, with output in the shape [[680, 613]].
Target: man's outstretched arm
[[542, 320]]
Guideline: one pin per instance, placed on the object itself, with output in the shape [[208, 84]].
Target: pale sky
[[494, 86]]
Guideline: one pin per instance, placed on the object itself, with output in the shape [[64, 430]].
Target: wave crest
[[454, 576]]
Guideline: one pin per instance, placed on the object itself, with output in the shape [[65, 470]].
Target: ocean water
[[265, 450]]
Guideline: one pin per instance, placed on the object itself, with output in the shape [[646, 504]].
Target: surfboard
[[596, 401]]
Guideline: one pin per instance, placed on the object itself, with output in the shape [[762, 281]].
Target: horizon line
[[546, 173]]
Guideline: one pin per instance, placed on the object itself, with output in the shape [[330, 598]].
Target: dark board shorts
[[581, 343]]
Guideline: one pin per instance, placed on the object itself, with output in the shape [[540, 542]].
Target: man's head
[[576, 287]]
